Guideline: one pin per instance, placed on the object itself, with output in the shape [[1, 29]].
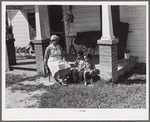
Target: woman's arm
[[62, 53]]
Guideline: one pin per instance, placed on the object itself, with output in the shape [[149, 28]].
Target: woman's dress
[[55, 62]]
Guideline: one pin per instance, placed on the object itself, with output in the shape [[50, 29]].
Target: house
[[39, 22], [85, 19]]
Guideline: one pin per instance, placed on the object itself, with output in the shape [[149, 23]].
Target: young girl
[[77, 74], [89, 68]]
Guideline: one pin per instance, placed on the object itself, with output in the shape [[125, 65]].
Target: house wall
[[20, 27], [20, 24], [136, 17], [86, 18], [44, 17]]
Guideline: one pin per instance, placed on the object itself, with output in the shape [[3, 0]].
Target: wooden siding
[[86, 18], [136, 17], [20, 24], [20, 28]]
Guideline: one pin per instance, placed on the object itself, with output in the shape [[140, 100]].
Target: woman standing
[[54, 59]]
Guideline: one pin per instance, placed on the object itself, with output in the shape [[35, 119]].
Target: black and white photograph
[[75, 60]]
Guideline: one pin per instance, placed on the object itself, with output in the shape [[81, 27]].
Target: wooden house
[[99, 25], [85, 18]]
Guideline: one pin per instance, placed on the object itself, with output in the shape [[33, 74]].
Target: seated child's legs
[[75, 75], [80, 76], [86, 74], [92, 73]]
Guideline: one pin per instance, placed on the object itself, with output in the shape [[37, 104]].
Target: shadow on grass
[[12, 79], [129, 92], [29, 88], [98, 95]]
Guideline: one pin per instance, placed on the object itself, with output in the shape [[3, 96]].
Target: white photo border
[[73, 114]]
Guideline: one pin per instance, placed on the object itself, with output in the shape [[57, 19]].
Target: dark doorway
[[57, 24], [32, 28]]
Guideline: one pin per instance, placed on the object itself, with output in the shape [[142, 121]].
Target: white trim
[[74, 3]]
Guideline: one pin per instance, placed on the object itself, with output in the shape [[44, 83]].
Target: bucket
[[127, 56]]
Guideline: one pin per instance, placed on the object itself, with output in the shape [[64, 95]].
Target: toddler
[[89, 68]]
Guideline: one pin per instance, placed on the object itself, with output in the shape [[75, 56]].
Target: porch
[[28, 64], [108, 65]]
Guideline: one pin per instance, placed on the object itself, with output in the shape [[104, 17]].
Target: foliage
[[68, 19]]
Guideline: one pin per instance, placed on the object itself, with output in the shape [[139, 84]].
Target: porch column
[[7, 62], [11, 51], [10, 47], [108, 48], [40, 41]]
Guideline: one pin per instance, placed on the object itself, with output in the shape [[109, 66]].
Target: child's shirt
[[80, 64], [89, 66]]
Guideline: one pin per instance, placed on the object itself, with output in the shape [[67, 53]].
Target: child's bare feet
[[85, 83]]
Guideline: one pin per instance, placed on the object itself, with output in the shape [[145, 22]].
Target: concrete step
[[22, 72], [25, 63], [25, 66]]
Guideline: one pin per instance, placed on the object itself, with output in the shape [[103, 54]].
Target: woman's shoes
[[59, 80]]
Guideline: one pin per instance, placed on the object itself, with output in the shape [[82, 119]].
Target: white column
[[108, 60], [40, 32], [8, 18], [107, 29]]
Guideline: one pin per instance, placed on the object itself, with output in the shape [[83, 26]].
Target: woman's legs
[[59, 77]]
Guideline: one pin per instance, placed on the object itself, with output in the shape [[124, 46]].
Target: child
[[89, 68], [77, 74]]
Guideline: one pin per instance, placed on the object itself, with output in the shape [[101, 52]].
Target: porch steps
[[25, 64], [125, 66], [30, 67]]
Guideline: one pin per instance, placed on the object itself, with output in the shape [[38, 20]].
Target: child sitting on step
[[77, 73], [89, 69]]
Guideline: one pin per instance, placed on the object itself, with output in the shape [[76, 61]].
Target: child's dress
[[77, 73]]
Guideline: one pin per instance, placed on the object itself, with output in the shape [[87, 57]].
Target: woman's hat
[[54, 37]]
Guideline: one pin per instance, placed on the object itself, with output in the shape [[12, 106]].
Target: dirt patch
[[26, 94]]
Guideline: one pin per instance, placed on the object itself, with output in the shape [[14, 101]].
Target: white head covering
[[54, 37]]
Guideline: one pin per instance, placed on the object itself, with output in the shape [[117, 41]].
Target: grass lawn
[[129, 92]]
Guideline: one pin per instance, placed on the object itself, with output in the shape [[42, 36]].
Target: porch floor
[[29, 63]]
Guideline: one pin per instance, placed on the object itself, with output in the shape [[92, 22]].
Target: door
[[32, 28], [56, 23]]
